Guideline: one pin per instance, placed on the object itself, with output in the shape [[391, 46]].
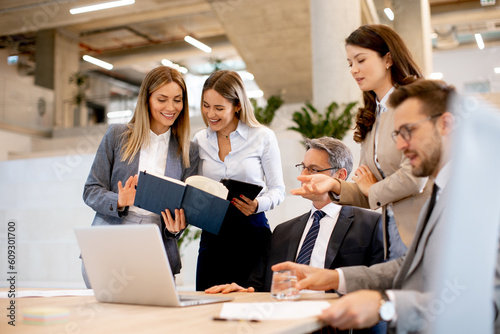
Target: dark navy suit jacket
[[356, 240]]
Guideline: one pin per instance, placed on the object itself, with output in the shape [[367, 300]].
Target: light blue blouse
[[254, 158]]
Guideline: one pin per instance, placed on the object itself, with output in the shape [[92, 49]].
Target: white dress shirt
[[326, 226], [254, 158], [153, 158]]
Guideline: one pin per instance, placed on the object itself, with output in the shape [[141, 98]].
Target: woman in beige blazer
[[380, 62]]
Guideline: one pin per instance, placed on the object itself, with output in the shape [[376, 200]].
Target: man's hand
[[227, 288], [310, 277], [317, 184], [364, 178], [126, 194], [355, 310]]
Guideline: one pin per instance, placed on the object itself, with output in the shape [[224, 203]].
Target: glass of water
[[283, 285]]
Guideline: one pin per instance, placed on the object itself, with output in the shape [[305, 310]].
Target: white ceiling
[[135, 38]]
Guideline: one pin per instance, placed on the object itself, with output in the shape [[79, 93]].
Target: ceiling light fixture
[[98, 62], [497, 70], [436, 76], [119, 114], [198, 44], [389, 13], [101, 6], [255, 93], [182, 69], [479, 41]]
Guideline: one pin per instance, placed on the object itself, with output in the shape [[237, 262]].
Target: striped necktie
[[308, 245]]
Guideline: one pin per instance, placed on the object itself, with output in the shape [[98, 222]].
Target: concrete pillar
[[331, 23], [412, 20], [57, 58]]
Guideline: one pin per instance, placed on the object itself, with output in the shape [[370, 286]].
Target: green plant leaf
[[335, 121], [266, 115]]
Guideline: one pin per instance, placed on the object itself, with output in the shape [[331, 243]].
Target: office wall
[[22, 103]]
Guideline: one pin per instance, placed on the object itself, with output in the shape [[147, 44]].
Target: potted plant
[[334, 122], [265, 115]]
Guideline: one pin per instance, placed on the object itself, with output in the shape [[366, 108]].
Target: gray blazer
[[411, 276], [101, 188]]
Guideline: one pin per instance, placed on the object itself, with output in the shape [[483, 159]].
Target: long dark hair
[[404, 70]]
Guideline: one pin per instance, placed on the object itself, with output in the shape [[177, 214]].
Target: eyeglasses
[[312, 170], [405, 130]]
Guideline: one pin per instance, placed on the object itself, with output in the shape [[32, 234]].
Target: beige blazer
[[406, 192]]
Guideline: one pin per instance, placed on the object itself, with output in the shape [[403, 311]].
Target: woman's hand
[[126, 194], [174, 225], [245, 205], [364, 178], [227, 288], [316, 184]]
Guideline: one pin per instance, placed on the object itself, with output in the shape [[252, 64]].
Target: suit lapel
[[296, 235], [174, 166], [344, 221], [416, 252]]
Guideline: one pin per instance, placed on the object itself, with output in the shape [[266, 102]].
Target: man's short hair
[[434, 94], [339, 155]]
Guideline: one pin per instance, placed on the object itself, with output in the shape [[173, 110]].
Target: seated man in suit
[[399, 290], [339, 236]]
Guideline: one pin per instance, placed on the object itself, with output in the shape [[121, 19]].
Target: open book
[[203, 199]]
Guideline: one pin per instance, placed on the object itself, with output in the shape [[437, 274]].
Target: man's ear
[[446, 123], [341, 174]]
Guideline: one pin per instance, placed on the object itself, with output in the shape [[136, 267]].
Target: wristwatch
[[387, 309]]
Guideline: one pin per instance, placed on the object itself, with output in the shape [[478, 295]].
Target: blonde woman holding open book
[[156, 139], [236, 146]]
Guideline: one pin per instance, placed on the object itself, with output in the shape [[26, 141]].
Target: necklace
[[222, 135]]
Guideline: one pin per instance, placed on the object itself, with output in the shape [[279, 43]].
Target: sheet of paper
[[47, 293], [273, 311]]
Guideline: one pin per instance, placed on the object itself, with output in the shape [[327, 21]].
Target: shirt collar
[[382, 104], [331, 210], [164, 137], [443, 176], [241, 129]]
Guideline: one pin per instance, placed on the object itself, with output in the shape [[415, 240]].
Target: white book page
[[206, 184], [166, 178], [273, 311]]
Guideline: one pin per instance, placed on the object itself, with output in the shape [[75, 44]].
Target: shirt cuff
[[342, 289], [392, 298]]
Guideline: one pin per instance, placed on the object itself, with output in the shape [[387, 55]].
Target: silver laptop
[[128, 264]]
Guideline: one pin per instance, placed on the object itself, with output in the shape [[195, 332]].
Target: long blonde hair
[[230, 86], [139, 125]]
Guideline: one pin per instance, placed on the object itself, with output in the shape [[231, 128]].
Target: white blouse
[[254, 158]]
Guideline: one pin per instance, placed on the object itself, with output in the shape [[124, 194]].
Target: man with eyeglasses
[[327, 236], [397, 291]]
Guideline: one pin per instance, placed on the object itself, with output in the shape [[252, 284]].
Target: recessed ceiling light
[[497, 70], [436, 76], [120, 113], [255, 93], [100, 6], [479, 41], [198, 44], [389, 13], [98, 62]]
